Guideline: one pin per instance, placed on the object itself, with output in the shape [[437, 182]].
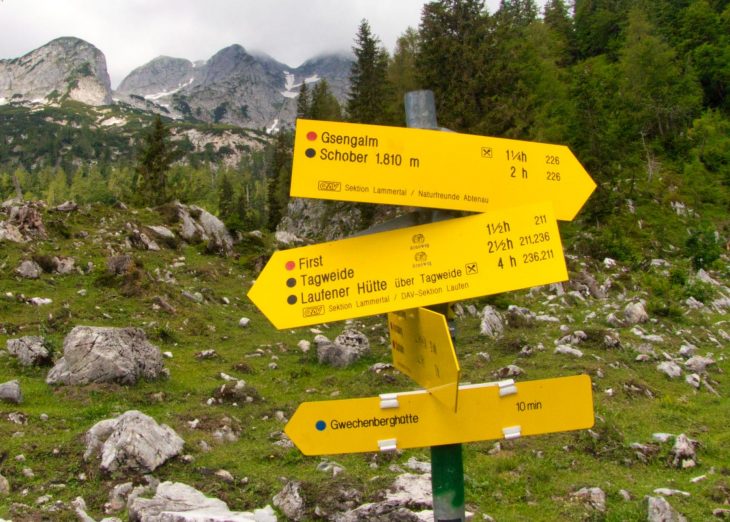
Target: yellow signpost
[[422, 349], [424, 265], [426, 168], [414, 420]]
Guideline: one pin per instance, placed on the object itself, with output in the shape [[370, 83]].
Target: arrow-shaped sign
[[422, 349], [414, 420], [426, 168], [440, 262]]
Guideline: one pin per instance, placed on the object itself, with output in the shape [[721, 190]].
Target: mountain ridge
[[234, 86]]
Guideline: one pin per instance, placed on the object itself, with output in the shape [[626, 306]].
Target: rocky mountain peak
[[162, 74], [66, 67]]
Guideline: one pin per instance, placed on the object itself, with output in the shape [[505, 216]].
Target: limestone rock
[[594, 497], [66, 206], [133, 442], [96, 354], [177, 502], [197, 225], [492, 324], [347, 348], [683, 453], [699, 364], [659, 510], [10, 392], [670, 369], [121, 264], [30, 350], [29, 269], [290, 502], [4, 486], [635, 313], [565, 349]]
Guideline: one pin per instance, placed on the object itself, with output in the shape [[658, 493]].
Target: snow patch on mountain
[[291, 88], [158, 95], [273, 127]]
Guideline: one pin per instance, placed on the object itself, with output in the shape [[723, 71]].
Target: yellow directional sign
[[440, 262], [414, 420], [427, 168], [422, 349]]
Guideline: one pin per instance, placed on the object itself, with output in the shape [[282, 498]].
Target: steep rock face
[[63, 68], [162, 76], [233, 86]]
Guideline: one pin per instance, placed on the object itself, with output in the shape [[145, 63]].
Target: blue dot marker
[[320, 425]]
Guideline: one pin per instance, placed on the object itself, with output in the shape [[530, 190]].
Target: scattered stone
[[492, 324], [244, 322], [10, 392], [132, 442], [699, 364], [683, 454], [40, 301], [659, 510], [118, 497], [304, 346], [564, 349], [694, 380], [625, 495], [668, 492], [331, 468], [197, 225], [119, 265], [4, 486], [594, 497], [29, 269], [225, 476], [196, 297], [290, 502], [164, 305], [518, 316], [66, 206], [635, 313], [114, 355], [347, 348], [510, 370], [30, 350], [721, 513], [670, 369], [177, 502], [662, 437], [417, 465], [687, 350], [206, 354], [411, 491]]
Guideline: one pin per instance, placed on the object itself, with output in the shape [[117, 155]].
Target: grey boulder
[[133, 442], [106, 355]]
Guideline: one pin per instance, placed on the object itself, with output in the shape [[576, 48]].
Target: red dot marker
[[290, 265], [311, 136]]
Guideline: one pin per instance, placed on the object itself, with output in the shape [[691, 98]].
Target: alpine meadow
[[140, 382]]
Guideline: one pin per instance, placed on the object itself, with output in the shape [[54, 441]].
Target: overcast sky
[[130, 33]]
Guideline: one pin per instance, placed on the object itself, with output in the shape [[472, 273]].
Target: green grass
[[529, 479]]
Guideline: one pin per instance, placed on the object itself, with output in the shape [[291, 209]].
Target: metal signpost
[[519, 189]]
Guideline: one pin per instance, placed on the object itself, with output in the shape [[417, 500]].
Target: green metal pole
[[447, 483], [447, 465]]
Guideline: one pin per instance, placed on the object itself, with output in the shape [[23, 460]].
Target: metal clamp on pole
[[387, 445], [389, 401], [507, 387]]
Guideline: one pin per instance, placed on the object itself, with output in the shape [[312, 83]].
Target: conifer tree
[[155, 157], [279, 178], [451, 62], [303, 102], [369, 92], [324, 105]]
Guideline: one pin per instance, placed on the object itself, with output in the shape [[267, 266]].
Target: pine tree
[[402, 70], [155, 157], [226, 207], [369, 91], [278, 174], [451, 61], [324, 105], [303, 102]]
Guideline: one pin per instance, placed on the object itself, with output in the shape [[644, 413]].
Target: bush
[[703, 247]]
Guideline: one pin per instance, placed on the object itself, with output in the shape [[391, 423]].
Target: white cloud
[[132, 32]]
